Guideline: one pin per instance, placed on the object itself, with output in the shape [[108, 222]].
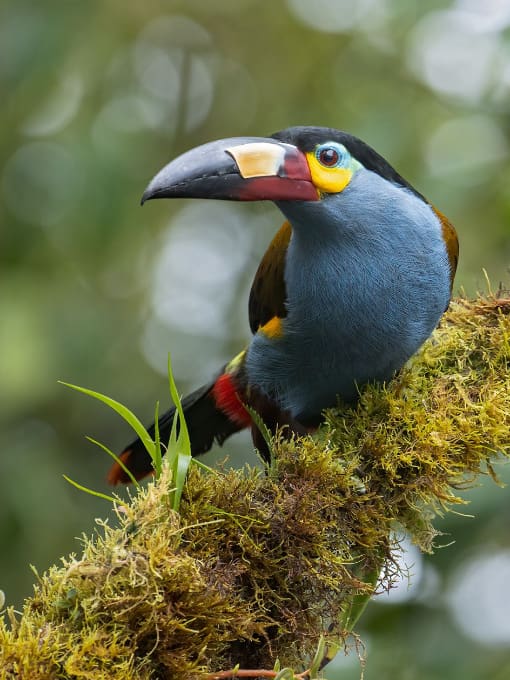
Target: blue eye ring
[[331, 155]]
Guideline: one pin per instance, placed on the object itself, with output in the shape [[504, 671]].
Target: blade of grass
[[179, 446], [157, 459], [172, 440], [204, 467], [264, 431], [359, 602], [91, 492], [116, 459], [326, 652], [183, 430], [123, 411]]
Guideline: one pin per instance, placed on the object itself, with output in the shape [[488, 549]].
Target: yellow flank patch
[[329, 180], [234, 363], [273, 328]]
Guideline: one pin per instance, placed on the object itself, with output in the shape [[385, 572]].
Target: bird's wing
[[451, 240], [268, 293]]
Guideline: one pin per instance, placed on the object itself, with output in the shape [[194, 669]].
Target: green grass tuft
[[179, 446], [178, 449]]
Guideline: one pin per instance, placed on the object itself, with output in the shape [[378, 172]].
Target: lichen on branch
[[258, 564]]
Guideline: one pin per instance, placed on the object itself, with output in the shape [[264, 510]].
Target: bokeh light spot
[[40, 184], [410, 564], [479, 598], [449, 53], [57, 110], [205, 249], [489, 15], [170, 58], [130, 112], [461, 147], [334, 16]]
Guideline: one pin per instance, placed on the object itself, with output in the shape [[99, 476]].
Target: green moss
[[256, 566]]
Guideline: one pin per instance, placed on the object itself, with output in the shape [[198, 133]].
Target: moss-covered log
[[258, 564]]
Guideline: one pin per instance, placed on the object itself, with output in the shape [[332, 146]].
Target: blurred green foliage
[[97, 96]]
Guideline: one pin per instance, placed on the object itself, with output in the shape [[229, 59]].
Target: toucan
[[349, 288]]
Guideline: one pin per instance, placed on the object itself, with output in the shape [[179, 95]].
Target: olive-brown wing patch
[[268, 293], [452, 242]]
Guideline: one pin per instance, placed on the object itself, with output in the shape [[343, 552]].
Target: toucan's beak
[[237, 169]]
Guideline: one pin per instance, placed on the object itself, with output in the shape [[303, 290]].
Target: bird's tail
[[213, 412]]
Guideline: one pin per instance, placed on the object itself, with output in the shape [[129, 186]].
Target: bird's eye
[[330, 155]]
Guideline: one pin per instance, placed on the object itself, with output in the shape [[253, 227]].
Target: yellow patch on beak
[[258, 159], [328, 180]]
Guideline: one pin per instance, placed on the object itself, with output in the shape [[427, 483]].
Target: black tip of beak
[[159, 187], [204, 172]]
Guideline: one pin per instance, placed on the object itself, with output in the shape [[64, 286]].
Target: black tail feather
[[206, 424]]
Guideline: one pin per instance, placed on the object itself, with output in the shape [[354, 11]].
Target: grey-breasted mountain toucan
[[352, 284]]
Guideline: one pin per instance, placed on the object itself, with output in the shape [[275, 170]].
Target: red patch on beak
[[295, 166], [277, 189]]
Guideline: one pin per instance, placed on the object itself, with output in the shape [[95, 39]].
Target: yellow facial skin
[[331, 167], [328, 180]]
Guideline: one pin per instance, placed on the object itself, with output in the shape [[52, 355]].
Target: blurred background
[[96, 97]]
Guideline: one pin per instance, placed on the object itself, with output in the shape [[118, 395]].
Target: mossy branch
[[261, 567]]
